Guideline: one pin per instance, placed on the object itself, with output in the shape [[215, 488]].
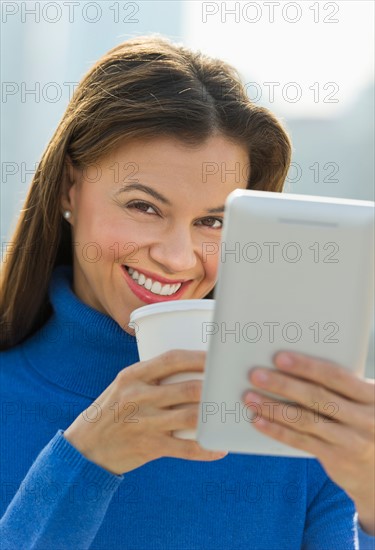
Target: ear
[[71, 180]]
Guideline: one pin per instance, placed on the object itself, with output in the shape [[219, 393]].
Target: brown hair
[[142, 88]]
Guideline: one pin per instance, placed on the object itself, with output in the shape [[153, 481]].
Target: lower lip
[[149, 297]]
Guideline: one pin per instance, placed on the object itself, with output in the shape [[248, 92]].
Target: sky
[[315, 56]]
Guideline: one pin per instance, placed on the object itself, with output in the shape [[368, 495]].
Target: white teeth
[[155, 287], [165, 290], [174, 288], [141, 279]]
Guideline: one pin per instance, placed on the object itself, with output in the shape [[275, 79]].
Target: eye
[[144, 206], [141, 206], [214, 220]]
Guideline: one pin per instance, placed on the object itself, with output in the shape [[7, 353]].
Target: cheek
[[103, 232], [211, 265], [112, 236]]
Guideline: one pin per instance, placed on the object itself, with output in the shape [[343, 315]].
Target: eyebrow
[[156, 195]]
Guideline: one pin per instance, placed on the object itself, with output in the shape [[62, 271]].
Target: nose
[[175, 251]]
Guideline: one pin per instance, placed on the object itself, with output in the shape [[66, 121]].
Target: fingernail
[[252, 398], [285, 360], [260, 376]]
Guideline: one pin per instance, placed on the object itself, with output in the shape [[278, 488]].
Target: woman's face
[[154, 207]]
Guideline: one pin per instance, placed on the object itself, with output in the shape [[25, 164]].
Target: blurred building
[[44, 54]]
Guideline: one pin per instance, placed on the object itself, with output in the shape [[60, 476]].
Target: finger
[[350, 442], [301, 420], [287, 435], [181, 417], [168, 395], [190, 450], [331, 375], [319, 398], [170, 362]]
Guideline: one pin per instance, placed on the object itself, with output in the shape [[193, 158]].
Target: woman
[[126, 182]]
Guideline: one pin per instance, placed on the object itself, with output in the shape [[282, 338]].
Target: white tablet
[[296, 273]]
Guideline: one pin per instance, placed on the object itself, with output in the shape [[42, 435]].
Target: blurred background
[[311, 63]]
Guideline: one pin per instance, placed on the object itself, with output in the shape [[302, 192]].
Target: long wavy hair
[[142, 88]]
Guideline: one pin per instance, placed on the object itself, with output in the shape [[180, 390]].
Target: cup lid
[[172, 305]]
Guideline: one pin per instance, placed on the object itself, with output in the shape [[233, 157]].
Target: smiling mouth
[[149, 284]]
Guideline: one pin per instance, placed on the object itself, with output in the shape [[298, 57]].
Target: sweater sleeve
[[61, 503], [332, 521]]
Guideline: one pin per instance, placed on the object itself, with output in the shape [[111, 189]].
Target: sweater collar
[[79, 348]]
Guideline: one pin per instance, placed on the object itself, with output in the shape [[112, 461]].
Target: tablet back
[[295, 273]]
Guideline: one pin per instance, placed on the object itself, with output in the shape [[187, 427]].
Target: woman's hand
[[333, 419], [132, 421]]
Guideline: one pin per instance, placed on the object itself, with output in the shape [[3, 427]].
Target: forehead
[[167, 161]]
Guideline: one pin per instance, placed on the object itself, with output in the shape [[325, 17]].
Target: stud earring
[[67, 214]]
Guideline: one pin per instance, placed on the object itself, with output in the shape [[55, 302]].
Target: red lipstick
[[149, 297]]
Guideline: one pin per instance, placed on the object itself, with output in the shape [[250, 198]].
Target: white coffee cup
[[174, 324]]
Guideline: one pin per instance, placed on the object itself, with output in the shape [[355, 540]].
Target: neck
[[79, 348]]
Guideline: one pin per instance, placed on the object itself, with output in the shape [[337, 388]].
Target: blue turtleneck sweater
[[54, 498]]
